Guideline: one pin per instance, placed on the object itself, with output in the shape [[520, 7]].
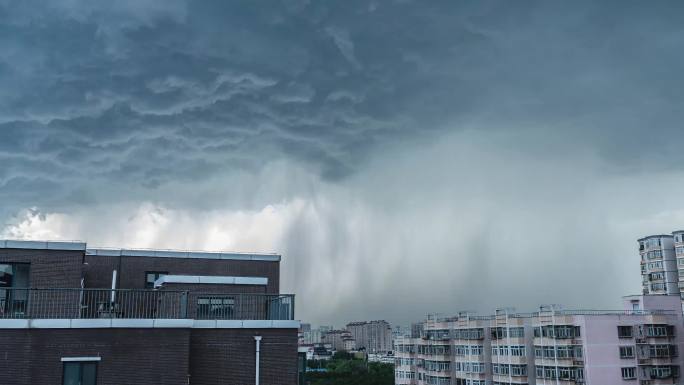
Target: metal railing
[[19, 303]]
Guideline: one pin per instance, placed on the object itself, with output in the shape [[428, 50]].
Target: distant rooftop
[[655, 236], [571, 312], [116, 252]]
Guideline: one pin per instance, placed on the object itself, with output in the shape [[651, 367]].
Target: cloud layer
[[404, 157]]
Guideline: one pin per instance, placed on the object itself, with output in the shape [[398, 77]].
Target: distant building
[[374, 336], [322, 351], [662, 264], [337, 338], [400, 331], [310, 335], [638, 345], [349, 344], [659, 260], [416, 329]]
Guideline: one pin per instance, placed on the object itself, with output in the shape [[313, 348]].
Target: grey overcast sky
[[404, 157]]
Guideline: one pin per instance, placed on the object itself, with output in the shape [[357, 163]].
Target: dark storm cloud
[[187, 103]]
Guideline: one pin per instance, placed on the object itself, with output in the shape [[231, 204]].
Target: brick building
[[73, 315]]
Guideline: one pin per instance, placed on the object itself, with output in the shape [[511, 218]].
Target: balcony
[[142, 304]]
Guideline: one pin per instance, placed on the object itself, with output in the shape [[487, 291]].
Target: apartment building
[[339, 340], [313, 335], [374, 336], [659, 263], [70, 314], [637, 345]]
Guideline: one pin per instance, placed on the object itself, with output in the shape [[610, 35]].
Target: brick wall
[[227, 356], [129, 356], [132, 272], [150, 356], [49, 268]]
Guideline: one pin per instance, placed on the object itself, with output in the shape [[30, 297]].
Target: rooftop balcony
[[79, 303]]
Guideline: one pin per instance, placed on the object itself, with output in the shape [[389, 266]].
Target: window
[[513, 332], [557, 331], [152, 276], [628, 373], [654, 254], [659, 330], [14, 278], [658, 286], [625, 332], [626, 351], [215, 307], [662, 351], [79, 373], [664, 371]]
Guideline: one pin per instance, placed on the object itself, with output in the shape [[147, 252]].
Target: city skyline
[[403, 157]]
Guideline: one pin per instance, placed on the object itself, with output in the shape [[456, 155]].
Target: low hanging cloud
[[424, 232], [404, 157]]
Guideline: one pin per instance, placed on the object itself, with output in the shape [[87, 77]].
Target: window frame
[[626, 351], [80, 364], [230, 311]]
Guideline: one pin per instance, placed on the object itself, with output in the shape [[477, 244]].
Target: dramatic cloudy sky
[[404, 157]]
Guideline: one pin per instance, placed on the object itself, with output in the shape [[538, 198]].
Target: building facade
[[70, 314], [637, 345], [374, 336], [339, 340], [659, 264]]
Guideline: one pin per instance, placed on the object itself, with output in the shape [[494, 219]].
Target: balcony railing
[[18, 303]]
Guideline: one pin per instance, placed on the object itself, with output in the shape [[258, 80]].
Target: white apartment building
[[659, 264], [638, 345], [374, 336]]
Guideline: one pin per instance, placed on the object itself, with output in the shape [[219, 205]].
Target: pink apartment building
[[637, 345]]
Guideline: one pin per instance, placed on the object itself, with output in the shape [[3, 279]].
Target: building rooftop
[[655, 236], [116, 252]]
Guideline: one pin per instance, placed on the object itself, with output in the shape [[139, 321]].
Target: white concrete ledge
[[210, 279], [50, 323], [141, 323], [14, 324], [91, 323], [173, 323], [112, 252], [80, 359], [132, 323], [42, 245]]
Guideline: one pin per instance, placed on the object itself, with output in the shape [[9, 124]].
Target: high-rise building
[[637, 345], [310, 336], [659, 264], [339, 340], [416, 329], [374, 336], [70, 314]]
